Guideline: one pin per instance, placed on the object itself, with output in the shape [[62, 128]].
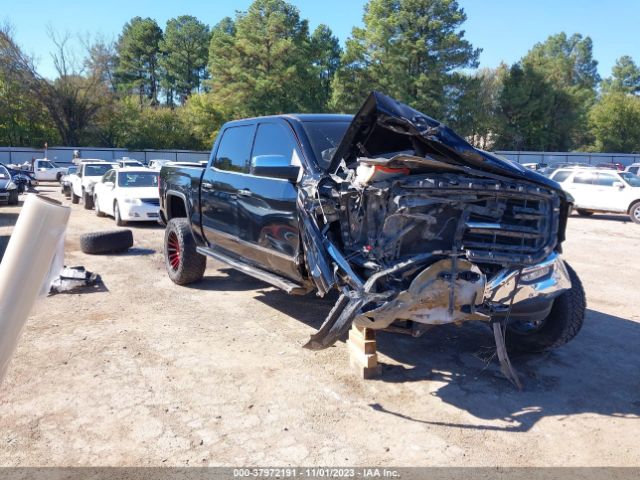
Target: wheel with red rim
[[173, 251], [183, 263]]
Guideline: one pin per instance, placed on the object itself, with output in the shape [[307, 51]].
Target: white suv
[[601, 190]]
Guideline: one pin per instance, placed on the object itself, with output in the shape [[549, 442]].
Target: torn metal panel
[[441, 293], [415, 225]]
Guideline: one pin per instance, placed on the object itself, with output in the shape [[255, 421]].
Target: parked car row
[[123, 190]]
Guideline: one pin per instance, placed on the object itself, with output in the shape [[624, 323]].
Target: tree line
[[174, 87]]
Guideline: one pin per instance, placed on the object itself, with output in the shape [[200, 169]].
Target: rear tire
[[116, 215], [96, 207], [13, 197], [559, 327], [183, 263], [634, 212], [584, 213], [75, 198], [87, 200]]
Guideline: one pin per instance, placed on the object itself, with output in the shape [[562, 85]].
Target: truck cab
[[246, 208], [45, 170]]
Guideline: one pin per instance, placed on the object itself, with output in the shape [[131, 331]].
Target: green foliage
[[265, 61], [409, 49], [184, 56], [261, 65], [533, 115], [23, 119], [138, 50], [546, 97], [625, 77], [325, 52], [204, 116], [615, 122], [474, 114]]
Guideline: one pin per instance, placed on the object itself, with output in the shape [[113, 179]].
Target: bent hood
[[385, 126]]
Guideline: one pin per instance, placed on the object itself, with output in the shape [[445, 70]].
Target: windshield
[[325, 138], [4, 173], [631, 179], [138, 179], [97, 170]]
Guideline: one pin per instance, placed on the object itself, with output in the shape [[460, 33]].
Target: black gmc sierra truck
[[410, 223]]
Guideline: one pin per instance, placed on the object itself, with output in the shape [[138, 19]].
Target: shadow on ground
[[596, 373]]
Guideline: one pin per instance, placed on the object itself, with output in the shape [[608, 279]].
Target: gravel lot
[[149, 373]]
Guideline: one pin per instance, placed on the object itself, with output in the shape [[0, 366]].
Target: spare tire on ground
[[106, 242]]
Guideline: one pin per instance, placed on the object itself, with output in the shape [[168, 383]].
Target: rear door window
[[585, 178], [234, 149], [561, 176], [606, 180]]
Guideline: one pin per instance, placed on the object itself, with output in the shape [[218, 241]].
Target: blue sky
[[504, 29]]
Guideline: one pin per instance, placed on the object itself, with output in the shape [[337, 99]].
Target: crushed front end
[[417, 228]]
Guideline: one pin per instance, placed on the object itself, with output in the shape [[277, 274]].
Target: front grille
[[151, 201], [493, 221], [513, 224]]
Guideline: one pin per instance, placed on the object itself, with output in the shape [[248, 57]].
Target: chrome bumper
[[548, 279]]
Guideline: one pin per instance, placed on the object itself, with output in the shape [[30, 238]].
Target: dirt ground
[[146, 373]]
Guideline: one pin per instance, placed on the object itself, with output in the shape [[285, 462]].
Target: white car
[[128, 194], [129, 163], [601, 190], [633, 168], [158, 163], [82, 182]]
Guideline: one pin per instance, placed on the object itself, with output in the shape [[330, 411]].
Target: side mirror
[[620, 185], [274, 166]]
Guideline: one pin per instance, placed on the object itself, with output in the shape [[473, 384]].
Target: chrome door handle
[[245, 192], [207, 186]]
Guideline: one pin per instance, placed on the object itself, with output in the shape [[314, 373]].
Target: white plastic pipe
[[27, 266]]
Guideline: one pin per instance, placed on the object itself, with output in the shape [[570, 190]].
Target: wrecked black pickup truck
[[410, 223]]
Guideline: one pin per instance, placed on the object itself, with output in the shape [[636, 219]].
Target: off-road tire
[[634, 212], [584, 213], [183, 263], [87, 200], [117, 216], [13, 197], [561, 325], [75, 198], [113, 241], [96, 207]]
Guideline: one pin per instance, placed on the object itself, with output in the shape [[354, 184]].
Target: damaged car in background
[[410, 223]]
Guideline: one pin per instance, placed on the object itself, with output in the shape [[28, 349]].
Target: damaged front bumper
[[449, 291]]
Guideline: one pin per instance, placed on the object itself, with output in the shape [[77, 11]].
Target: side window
[[561, 176], [634, 170], [234, 149], [584, 178], [606, 180], [275, 144]]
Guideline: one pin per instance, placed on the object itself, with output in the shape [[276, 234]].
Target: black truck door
[[220, 185], [267, 215]]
